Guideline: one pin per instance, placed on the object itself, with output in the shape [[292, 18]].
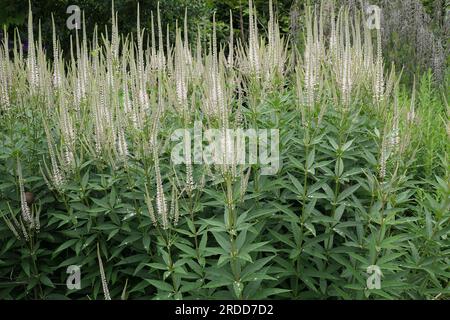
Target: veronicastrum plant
[[88, 177]]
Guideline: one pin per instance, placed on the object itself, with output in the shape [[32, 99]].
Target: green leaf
[[65, 245], [46, 281], [251, 269], [339, 167], [161, 285], [297, 184], [222, 241], [347, 192], [310, 227]]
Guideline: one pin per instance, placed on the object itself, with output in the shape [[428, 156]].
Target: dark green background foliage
[[98, 13], [400, 44], [14, 12]]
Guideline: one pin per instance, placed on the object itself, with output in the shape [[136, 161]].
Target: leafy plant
[[89, 177]]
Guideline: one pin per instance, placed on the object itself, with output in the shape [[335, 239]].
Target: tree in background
[[98, 13]]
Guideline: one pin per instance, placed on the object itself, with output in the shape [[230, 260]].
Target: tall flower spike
[[230, 60], [56, 176], [148, 202], [5, 79], [56, 70], [102, 275], [198, 61], [180, 74], [161, 205], [31, 60], [126, 91], [153, 55], [275, 51], [395, 134], [67, 133], [383, 157], [142, 82], [24, 231], [26, 213], [174, 208], [11, 227], [253, 54], [122, 146], [115, 42], [4, 96], [311, 63], [189, 171], [379, 78], [161, 57], [214, 45], [172, 203], [187, 51]]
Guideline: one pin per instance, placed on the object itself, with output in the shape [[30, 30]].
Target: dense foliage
[[87, 177]]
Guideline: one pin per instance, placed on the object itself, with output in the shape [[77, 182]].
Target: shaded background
[[415, 32]]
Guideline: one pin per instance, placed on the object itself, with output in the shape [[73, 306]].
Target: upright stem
[[232, 230]]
